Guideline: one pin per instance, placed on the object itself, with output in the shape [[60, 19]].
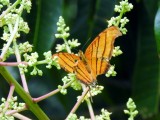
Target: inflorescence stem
[[51, 93], [79, 101], [23, 77]]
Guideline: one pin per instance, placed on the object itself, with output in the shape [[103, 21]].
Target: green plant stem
[[24, 95], [79, 101], [52, 93], [120, 16], [9, 9], [67, 46], [41, 62]]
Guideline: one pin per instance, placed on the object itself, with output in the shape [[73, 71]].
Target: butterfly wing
[[99, 52], [73, 64]]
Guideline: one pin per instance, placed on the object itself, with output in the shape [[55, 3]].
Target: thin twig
[[10, 39], [9, 9], [12, 63], [79, 101], [90, 108], [11, 112], [21, 117], [11, 91], [23, 77], [51, 93]]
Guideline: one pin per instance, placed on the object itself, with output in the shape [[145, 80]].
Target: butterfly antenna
[[85, 44]]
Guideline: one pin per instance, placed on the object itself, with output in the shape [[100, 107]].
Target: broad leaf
[[146, 72], [157, 30]]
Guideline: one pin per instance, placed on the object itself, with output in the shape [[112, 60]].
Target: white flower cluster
[[12, 105], [12, 22], [4, 2], [6, 34], [62, 29], [23, 26], [27, 5], [73, 43], [124, 6], [132, 112], [123, 22], [116, 51], [8, 53], [111, 71], [51, 61], [122, 9], [60, 47], [32, 61], [22, 68], [69, 78], [95, 91], [63, 33], [105, 115], [62, 90], [25, 47]]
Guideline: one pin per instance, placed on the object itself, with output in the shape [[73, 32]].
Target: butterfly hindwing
[[73, 64]]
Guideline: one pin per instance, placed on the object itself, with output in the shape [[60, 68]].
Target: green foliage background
[[138, 67]]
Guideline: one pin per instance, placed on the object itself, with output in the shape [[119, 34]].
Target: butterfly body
[[94, 61]]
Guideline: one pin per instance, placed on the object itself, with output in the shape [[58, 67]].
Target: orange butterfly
[[95, 61]]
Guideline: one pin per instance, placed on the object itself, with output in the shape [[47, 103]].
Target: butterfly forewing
[[100, 50], [67, 61]]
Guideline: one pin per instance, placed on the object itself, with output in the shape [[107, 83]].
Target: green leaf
[[47, 16], [146, 73], [157, 30], [104, 10], [151, 7]]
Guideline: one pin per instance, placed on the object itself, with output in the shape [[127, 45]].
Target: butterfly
[[95, 61]]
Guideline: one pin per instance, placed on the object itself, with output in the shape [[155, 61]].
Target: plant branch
[[67, 46], [11, 91], [10, 39], [23, 77], [52, 93], [21, 117], [79, 101], [9, 9], [120, 17], [11, 112], [25, 96], [90, 108], [12, 63]]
